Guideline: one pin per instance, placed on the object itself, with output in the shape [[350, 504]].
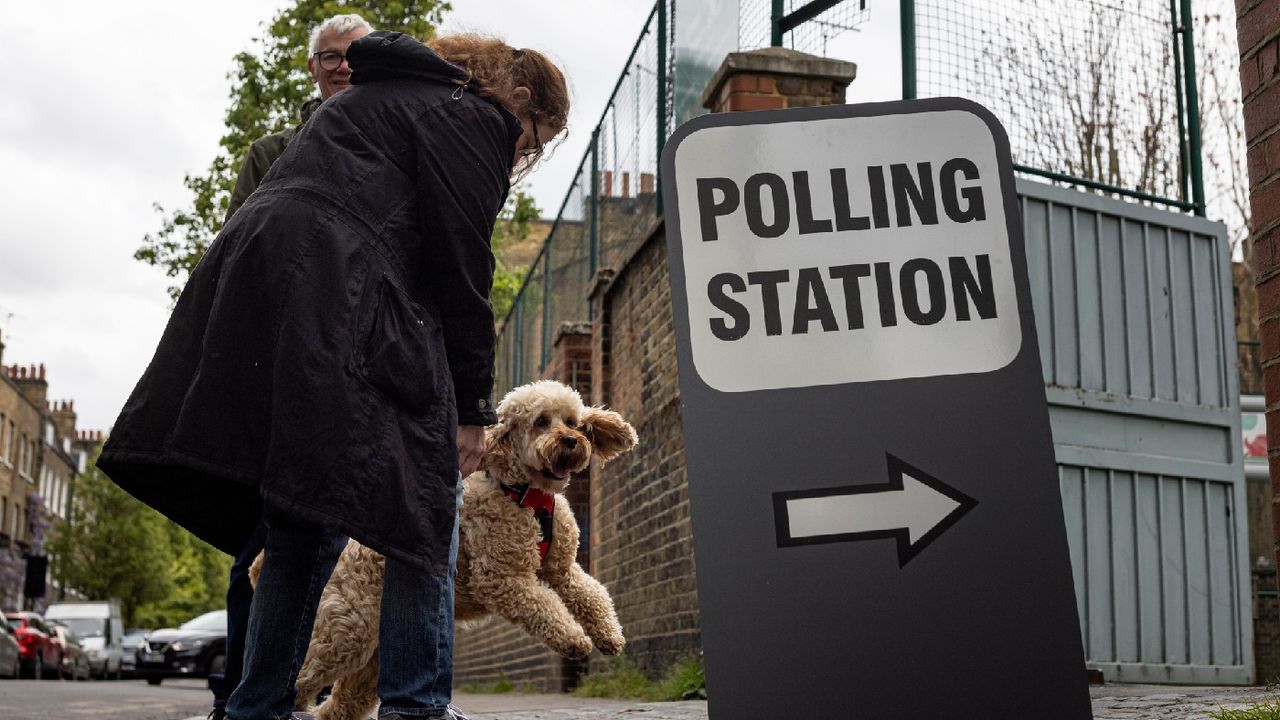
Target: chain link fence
[[1088, 90], [613, 199], [1091, 93], [812, 36]]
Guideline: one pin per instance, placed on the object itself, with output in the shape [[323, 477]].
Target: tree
[[512, 228], [269, 84], [199, 581], [112, 546]]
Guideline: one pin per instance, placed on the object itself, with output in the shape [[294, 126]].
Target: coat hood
[[384, 55]]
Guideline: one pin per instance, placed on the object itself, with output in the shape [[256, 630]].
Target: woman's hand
[[470, 448]]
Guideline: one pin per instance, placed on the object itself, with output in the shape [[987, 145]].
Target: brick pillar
[[1258, 30], [570, 360], [775, 78]]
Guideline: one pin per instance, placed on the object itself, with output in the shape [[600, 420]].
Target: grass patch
[[1260, 711], [621, 678], [684, 681]]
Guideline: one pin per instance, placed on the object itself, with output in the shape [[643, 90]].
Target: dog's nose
[[569, 441]]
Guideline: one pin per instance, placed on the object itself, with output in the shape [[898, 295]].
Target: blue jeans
[[299, 559], [415, 637], [239, 598]]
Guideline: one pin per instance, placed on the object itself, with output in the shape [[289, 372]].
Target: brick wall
[[642, 547], [1258, 32], [1266, 628]]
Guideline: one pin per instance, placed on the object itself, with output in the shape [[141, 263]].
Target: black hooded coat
[[338, 329]]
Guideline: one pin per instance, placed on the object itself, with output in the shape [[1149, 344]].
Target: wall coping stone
[[777, 61]]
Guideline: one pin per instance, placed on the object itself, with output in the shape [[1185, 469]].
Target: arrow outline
[[897, 467]]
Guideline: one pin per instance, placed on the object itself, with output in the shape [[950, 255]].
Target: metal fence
[[614, 197], [1093, 93], [798, 24]]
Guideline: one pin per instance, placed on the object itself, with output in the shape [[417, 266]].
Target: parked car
[[10, 653], [197, 648], [132, 642], [74, 659], [100, 629], [40, 655]]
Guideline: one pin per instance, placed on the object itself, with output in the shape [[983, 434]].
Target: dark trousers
[[239, 599], [299, 558]]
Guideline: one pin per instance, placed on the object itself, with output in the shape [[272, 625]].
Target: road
[[103, 700]]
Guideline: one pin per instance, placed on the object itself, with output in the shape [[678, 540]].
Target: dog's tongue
[[560, 473]]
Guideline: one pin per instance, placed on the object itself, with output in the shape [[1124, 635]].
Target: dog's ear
[[494, 434], [610, 435]]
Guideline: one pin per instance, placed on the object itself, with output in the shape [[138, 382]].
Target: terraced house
[[41, 455]]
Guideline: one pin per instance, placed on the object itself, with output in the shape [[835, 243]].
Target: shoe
[[217, 713], [453, 713]]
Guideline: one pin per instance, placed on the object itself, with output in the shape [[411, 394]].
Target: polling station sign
[[877, 524]]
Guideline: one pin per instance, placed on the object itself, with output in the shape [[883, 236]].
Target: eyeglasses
[[537, 142], [329, 60]]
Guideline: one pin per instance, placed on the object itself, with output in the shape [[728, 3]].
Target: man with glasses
[[328, 66]]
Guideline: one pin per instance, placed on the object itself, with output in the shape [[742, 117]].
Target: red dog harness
[[542, 504]]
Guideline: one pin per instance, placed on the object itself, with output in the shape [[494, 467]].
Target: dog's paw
[[576, 648], [611, 644]]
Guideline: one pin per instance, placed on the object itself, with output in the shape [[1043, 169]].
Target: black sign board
[[877, 522]]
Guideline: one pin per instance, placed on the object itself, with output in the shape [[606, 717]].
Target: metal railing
[[1023, 59], [1100, 94], [614, 197]]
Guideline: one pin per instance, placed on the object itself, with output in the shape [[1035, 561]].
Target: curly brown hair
[[498, 69]]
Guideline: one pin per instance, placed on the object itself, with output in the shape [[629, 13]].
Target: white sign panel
[[847, 260]]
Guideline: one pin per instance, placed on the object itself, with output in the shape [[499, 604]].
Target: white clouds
[[107, 105], [105, 108]]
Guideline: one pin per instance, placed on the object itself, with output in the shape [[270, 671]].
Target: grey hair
[[338, 25]]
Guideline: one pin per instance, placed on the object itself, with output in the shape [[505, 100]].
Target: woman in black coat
[[329, 365]]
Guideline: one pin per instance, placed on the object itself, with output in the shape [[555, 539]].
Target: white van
[[100, 629]]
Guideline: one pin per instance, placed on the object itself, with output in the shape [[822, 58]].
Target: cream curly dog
[[518, 541]]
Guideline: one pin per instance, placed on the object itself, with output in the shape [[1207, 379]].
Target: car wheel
[[61, 672], [154, 680], [17, 668], [119, 672], [37, 672]]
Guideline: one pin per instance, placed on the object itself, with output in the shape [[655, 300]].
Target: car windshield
[[85, 627], [15, 623], [213, 621], [132, 639]]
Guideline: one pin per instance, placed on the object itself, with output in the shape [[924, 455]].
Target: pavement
[[1110, 702]]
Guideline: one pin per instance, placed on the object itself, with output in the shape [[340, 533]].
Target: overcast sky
[[107, 105]]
